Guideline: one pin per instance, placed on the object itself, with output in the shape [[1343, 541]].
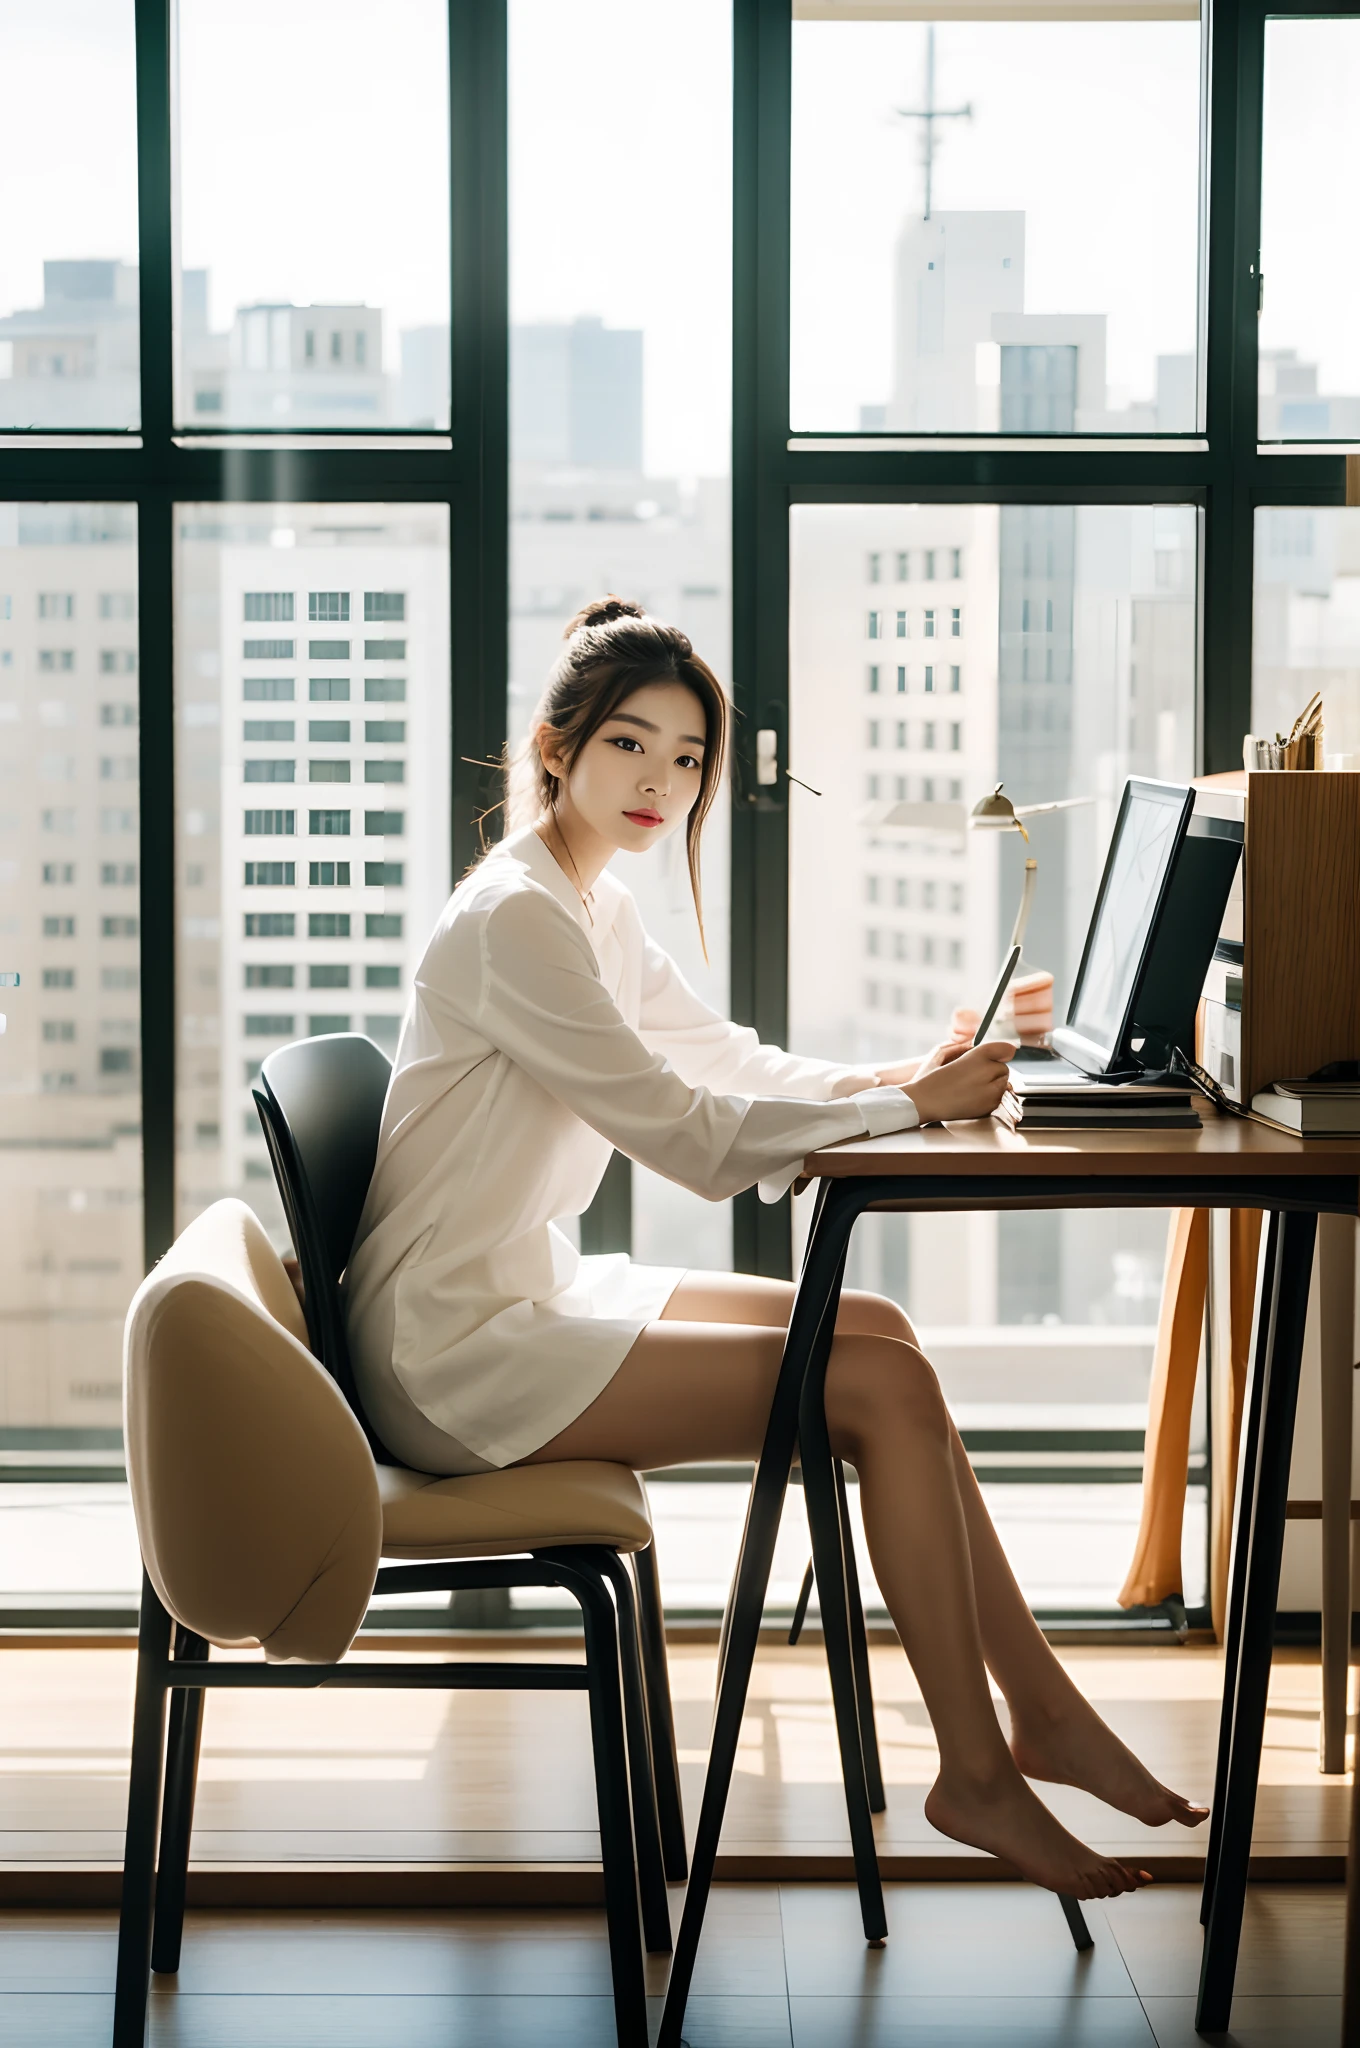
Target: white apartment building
[[70, 1105]]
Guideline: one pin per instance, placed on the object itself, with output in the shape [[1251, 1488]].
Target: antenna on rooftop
[[929, 114]]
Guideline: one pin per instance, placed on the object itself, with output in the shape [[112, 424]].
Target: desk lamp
[[1031, 994]]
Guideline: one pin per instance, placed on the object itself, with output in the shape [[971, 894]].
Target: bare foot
[[1076, 1748], [1009, 1819]]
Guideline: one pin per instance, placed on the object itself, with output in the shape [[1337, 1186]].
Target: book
[[1310, 1116], [1105, 1095], [1050, 1117]]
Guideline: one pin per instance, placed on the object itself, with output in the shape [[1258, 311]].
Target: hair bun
[[603, 611]]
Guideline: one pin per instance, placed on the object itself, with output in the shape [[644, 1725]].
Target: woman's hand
[[972, 1081], [903, 1071]]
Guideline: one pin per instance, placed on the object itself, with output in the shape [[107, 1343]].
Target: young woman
[[545, 1029]]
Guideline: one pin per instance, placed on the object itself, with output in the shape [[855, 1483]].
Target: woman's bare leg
[[696, 1391], [1056, 1734]]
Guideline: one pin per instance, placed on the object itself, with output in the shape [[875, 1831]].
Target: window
[[929, 678], [58, 1030], [874, 626], [119, 874], [983, 233], [956, 563], [901, 625], [59, 871], [901, 732], [390, 822], [56, 660], [118, 927], [58, 927], [956, 621], [267, 689], [873, 678], [318, 316], [117, 604], [902, 566], [328, 650], [118, 714], [269, 771], [928, 625], [874, 564], [871, 733], [1305, 634], [377, 730], [901, 682], [255, 913], [955, 680], [56, 604], [384, 650], [382, 977], [269, 606], [268, 977], [267, 650], [1309, 373], [384, 771], [59, 977], [384, 607]]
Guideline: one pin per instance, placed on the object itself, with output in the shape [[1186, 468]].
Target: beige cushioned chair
[[262, 1519]]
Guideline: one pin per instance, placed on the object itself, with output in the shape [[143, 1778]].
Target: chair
[[320, 1101], [262, 1519]]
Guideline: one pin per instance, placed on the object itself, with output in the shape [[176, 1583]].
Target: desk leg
[[859, 1650], [1336, 1303], [1237, 1577], [811, 1326], [1279, 1400]]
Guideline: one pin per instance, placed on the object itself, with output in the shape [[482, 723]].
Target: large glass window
[[68, 194], [70, 1101], [314, 161], [1310, 299], [936, 651], [313, 779], [1306, 629], [620, 363], [972, 249]]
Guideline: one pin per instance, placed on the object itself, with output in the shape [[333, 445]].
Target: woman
[[546, 1029]]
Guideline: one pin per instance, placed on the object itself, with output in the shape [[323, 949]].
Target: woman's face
[[637, 779]]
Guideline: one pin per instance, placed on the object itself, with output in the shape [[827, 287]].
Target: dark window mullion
[[155, 610], [761, 115]]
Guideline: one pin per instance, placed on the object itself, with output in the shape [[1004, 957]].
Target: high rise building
[[576, 395]]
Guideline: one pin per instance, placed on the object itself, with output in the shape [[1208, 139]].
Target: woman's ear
[[548, 745]]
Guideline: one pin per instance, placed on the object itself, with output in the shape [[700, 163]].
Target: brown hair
[[612, 647]]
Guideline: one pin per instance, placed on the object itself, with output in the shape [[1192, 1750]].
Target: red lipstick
[[643, 817]]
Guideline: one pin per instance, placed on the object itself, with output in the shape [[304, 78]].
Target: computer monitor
[[1148, 835]]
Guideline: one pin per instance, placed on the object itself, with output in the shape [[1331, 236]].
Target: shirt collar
[[527, 847]]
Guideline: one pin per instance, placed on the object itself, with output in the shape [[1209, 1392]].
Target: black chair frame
[[173, 1663]]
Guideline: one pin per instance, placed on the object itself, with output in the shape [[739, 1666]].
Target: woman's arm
[[541, 1002]]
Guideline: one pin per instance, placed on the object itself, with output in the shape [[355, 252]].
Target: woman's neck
[[580, 851]]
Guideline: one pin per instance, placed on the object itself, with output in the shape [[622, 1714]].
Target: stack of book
[[1104, 1106], [1311, 1109]]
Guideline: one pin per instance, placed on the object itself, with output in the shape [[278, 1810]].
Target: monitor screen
[[1146, 834]]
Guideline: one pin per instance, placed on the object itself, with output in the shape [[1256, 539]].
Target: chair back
[[321, 1101], [256, 1497]]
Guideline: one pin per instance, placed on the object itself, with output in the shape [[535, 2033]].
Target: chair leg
[[800, 1606], [586, 1582], [660, 1714], [144, 1798], [177, 1811], [859, 1651], [656, 1917]]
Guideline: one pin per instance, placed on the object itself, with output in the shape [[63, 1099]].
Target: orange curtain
[[1155, 1571]]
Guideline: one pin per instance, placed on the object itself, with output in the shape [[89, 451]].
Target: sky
[[314, 154]]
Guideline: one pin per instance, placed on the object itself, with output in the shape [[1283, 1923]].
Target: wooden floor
[[965, 1966], [426, 1799]]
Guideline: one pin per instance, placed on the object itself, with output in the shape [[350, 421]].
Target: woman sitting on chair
[[545, 1029]]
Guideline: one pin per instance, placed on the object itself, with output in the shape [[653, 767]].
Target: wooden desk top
[[1224, 1146]]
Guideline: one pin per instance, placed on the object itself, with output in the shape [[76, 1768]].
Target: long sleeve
[[542, 1003], [708, 1050]]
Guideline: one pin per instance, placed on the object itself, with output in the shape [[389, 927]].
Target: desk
[[1229, 1163]]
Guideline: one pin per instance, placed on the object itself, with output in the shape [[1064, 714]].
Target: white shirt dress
[[539, 1037]]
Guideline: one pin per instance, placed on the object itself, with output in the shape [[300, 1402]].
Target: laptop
[[1157, 916]]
